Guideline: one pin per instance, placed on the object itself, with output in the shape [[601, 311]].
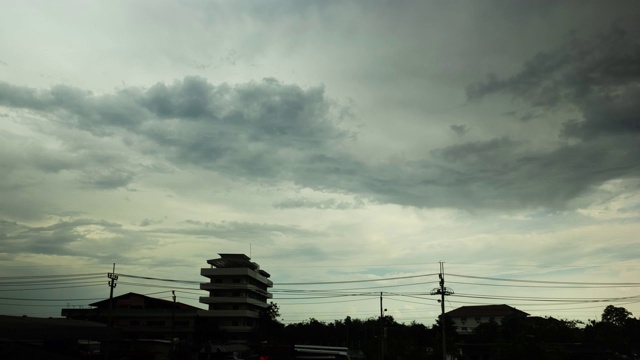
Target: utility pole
[[112, 284], [173, 317], [381, 329], [442, 291]]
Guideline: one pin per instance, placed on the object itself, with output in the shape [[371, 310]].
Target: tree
[[617, 316], [617, 331], [268, 326]]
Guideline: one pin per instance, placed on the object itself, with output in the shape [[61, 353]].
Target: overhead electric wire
[[48, 276], [155, 286], [37, 305], [355, 281], [55, 288], [531, 298], [324, 302], [558, 286], [159, 279], [545, 281], [412, 302], [60, 300], [48, 282], [61, 281]]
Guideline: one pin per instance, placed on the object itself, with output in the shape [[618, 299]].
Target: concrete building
[[467, 318], [238, 292]]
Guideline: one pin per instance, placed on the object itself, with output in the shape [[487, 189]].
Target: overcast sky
[[331, 141]]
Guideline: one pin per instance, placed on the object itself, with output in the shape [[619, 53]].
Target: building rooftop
[[486, 310], [150, 302], [236, 261]]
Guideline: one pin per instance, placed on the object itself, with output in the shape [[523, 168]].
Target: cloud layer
[[334, 140]]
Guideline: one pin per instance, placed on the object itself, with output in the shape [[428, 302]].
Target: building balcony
[[218, 272], [232, 300], [236, 286]]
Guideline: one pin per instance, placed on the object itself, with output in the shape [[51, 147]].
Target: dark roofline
[[129, 294], [226, 261], [234, 256], [475, 310]]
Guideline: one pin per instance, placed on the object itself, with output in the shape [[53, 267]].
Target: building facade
[[139, 316], [238, 292], [468, 318]]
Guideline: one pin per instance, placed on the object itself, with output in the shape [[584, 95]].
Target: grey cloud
[[148, 222], [253, 130], [55, 239], [108, 178], [243, 231], [299, 203], [607, 115], [477, 151], [304, 252], [459, 129], [269, 132], [598, 75]]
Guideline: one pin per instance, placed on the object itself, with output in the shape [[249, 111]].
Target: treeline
[[615, 336]]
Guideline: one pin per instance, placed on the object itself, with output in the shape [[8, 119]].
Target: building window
[[234, 323], [235, 281], [134, 323], [155, 323]]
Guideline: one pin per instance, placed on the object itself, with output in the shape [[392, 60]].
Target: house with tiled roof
[[467, 318], [141, 317]]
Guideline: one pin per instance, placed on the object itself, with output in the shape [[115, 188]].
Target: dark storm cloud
[[599, 75], [477, 151], [269, 132], [253, 130]]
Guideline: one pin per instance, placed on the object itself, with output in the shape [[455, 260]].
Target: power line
[[547, 281], [323, 302], [55, 288], [160, 279], [531, 298], [355, 281], [548, 286], [49, 276], [32, 299]]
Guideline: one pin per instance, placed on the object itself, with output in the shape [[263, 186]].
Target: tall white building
[[238, 291]]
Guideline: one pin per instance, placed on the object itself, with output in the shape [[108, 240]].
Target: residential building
[[467, 318], [238, 292], [139, 316]]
